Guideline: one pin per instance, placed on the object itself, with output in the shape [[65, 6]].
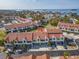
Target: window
[[34, 40], [58, 38], [72, 29], [60, 28], [53, 38], [38, 40], [50, 39], [46, 39], [24, 41], [19, 41], [15, 30], [65, 28], [42, 40], [62, 38], [7, 29], [28, 41], [16, 45]]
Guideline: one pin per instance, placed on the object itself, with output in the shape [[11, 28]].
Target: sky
[[39, 4]]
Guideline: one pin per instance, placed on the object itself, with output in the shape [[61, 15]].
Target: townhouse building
[[69, 27], [21, 27], [37, 39]]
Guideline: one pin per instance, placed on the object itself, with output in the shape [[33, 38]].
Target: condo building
[[33, 40], [69, 27], [21, 27]]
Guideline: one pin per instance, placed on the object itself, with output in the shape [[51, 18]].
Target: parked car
[[9, 51], [19, 51]]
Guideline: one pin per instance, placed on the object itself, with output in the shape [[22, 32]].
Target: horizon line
[[38, 8]]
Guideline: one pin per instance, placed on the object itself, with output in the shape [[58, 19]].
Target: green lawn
[[49, 26], [2, 34]]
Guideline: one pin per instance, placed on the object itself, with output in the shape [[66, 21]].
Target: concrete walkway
[[50, 49]]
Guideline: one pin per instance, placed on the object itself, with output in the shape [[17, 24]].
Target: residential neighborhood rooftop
[[34, 35], [69, 25], [13, 26], [39, 34], [45, 56]]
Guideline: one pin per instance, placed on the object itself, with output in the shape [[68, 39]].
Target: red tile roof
[[19, 36], [68, 25], [26, 57], [45, 56], [54, 30], [29, 36], [55, 35], [21, 25], [40, 35], [25, 19], [40, 29], [10, 37]]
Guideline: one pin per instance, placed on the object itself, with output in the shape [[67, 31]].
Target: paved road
[[55, 53], [51, 53]]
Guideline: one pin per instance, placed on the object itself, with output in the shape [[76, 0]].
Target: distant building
[[1, 25], [24, 20], [8, 19], [48, 16], [69, 27], [72, 20], [21, 27]]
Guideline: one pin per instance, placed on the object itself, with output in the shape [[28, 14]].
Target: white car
[[18, 51]]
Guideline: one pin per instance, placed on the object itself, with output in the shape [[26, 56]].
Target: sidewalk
[[50, 49]]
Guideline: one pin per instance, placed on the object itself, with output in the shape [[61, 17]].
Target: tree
[[1, 42], [66, 54], [22, 15], [49, 43], [2, 35], [54, 22], [77, 22], [66, 19], [1, 16], [38, 17]]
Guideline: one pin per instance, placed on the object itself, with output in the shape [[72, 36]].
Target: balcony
[[56, 39]]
